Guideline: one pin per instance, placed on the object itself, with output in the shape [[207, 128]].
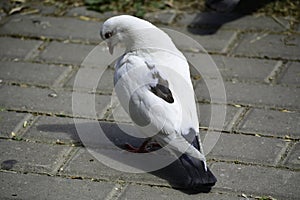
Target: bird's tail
[[200, 177]]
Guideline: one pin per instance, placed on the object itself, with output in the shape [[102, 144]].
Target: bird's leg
[[143, 148], [154, 145]]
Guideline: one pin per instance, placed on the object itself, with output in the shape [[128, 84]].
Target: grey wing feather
[[161, 89]]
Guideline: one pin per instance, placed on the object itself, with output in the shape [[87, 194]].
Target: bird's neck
[[149, 38]]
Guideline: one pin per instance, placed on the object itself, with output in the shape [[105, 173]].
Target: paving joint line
[[34, 52], [283, 156], [56, 88], [68, 157], [231, 43], [236, 119], [268, 31], [256, 195], [235, 132], [265, 57], [235, 44], [237, 162], [92, 19], [56, 175], [27, 172], [20, 128], [236, 81], [52, 114], [276, 73], [51, 39], [61, 161], [19, 60], [58, 143], [231, 55], [231, 192], [27, 85], [22, 139], [62, 78], [240, 118], [243, 30], [149, 184], [287, 139], [280, 23], [258, 106], [41, 49], [116, 191], [78, 177]]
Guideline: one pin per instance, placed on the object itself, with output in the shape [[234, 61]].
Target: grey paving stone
[[163, 17], [292, 75], [110, 164], [8, 121], [212, 43], [68, 53], [231, 69], [270, 122], [205, 115], [269, 45], [150, 193], [105, 84], [45, 9], [118, 114], [17, 48], [251, 22], [53, 129], [253, 94], [32, 186], [32, 157], [279, 183], [249, 149], [70, 130], [84, 164], [293, 159], [52, 27], [34, 99], [232, 21], [83, 11], [244, 68], [32, 73]]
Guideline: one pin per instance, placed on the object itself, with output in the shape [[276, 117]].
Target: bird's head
[[123, 29]]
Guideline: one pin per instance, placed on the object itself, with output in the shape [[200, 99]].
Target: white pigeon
[[152, 82]]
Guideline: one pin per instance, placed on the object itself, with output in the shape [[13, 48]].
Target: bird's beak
[[110, 46], [109, 43]]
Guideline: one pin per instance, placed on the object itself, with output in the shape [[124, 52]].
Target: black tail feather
[[199, 178], [183, 176], [188, 173]]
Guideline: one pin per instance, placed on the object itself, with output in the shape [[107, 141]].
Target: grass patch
[[140, 7], [137, 8]]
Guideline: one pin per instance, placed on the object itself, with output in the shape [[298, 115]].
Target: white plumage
[[152, 82]]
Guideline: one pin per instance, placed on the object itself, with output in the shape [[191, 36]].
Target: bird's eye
[[108, 35]]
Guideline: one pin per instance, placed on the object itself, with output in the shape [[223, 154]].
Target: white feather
[[150, 51]]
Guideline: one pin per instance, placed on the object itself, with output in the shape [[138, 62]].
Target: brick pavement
[[258, 152]]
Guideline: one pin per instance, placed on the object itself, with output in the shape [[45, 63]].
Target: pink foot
[[144, 148], [132, 149]]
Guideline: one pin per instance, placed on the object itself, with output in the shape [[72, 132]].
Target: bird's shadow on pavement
[[209, 22], [174, 173]]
